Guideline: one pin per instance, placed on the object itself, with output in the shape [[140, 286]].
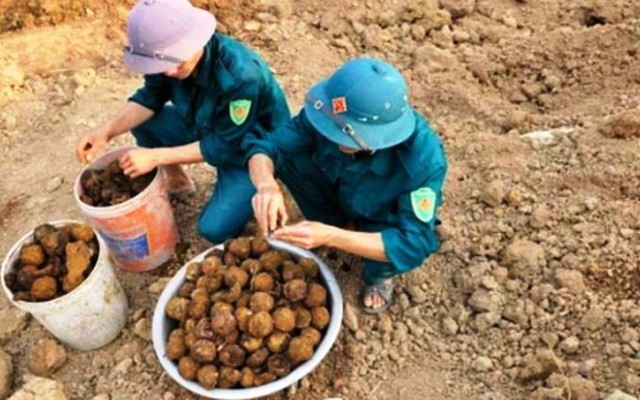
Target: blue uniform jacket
[[228, 71], [375, 192]]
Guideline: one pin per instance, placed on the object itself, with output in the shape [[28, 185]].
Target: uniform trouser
[[318, 200], [229, 208]]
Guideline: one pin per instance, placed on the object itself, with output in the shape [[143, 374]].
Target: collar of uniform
[[203, 74], [379, 163]]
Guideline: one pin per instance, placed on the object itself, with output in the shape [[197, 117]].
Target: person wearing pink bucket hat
[[203, 93]]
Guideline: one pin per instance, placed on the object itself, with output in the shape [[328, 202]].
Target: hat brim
[[377, 136], [202, 28]]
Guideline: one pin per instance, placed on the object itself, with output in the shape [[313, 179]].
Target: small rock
[[252, 26], [124, 366], [619, 395], [483, 300], [524, 258], [582, 389], [571, 279], [570, 345], [486, 320], [632, 382], [482, 364], [47, 358], [168, 396], [158, 286], [493, 194], [586, 367], [591, 203], [458, 8], [515, 312], [137, 314], [489, 282], [550, 339], [101, 396], [547, 394], [126, 350], [556, 381], [11, 75], [450, 326], [13, 321], [350, 317], [37, 388], [539, 366], [594, 319], [418, 296], [622, 126], [514, 197], [385, 324], [541, 217], [6, 374], [142, 329], [54, 183], [629, 335], [403, 302]]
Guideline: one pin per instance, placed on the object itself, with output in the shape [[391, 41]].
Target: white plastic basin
[[162, 326]]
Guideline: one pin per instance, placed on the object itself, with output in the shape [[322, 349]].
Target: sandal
[[383, 289]]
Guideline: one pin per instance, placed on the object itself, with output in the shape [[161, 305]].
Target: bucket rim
[[117, 208], [13, 253]]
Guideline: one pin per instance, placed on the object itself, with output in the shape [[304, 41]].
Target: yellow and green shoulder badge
[[423, 201], [239, 111]]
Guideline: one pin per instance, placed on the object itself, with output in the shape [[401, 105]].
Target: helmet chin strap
[[347, 129]]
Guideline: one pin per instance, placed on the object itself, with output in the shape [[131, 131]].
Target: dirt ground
[[535, 291]]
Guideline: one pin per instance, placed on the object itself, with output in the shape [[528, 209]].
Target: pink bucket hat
[[165, 33]]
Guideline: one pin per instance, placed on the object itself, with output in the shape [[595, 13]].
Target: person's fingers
[[124, 164], [259, 212], [80, 150], [129, 171], [282, 214], [292, 231], [273, 214]]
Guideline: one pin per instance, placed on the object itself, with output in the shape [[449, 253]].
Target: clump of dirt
[[622, 126], [110, 186], [230, 334], [56, 262]]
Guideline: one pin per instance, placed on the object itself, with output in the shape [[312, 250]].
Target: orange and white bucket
[[141, 233]]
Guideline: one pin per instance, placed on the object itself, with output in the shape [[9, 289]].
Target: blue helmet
[[364, 104]]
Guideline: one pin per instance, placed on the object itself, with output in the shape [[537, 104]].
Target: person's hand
[[137, 162], [91, 143], [269, 208], [306, 234]]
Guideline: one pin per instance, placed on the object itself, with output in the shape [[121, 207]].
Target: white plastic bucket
[[88, 317], [162, 327], [141, 233]]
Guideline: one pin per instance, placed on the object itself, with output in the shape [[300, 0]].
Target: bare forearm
[[363, 244], [261, 171], [187, 154], [132, 115]]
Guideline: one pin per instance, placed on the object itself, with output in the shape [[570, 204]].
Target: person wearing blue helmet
[[366, 170], [202, 93]]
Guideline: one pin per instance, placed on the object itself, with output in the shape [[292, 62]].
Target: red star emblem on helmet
[[339, 105]]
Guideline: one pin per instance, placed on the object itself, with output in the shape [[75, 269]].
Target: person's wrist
[[161, 156], [334, 236], [268, 186]]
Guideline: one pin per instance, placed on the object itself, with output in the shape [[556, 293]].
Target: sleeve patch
[[423, 201], [239, 111]]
